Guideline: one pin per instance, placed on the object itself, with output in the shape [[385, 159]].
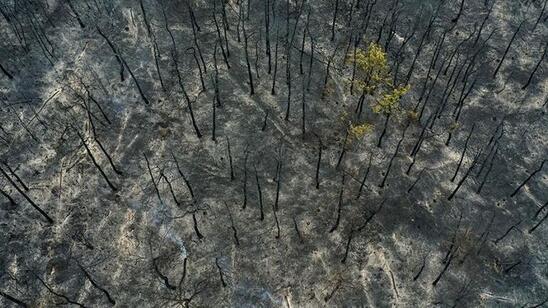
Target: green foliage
[[374, 79], [372, 68], [389, 102], [357, 131]]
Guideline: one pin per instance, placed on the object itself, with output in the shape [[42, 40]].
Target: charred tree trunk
[[112, 187], [153, 180], [381, 185], [459, 14], [537, 65], [507, 49], [335, 12], [32, 203], [250, 75], [318, 164], [260, 194], [364, 177], [339, 207], [232, 226], [528, 178], [463, 152]]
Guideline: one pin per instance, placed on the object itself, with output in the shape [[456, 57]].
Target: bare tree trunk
[[507, 49], [34, 205]]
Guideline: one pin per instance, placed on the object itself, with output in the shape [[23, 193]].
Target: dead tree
[[480, 187], [394, 18], [94, 161], [232, 226], [465, 176], [310, 63], [155, 48], [96, 285], [513, 227], [303, 121], [393, 12], [366, 19], [195, 225], [423, 265], [537, 65], [5, 71], [213, 116], [192, 50], [162, 276], [401, 49], [422, 40], [263, 128], [230, 159], [484, 235], [328, 68], [94, 132], [238, 24], [78, 18], [453, 250], [153, 180], [194, 35], [339, 207], [528, 178], [260, 193], [245, 179], [288, 74], [221, 274], [219, 37], [225, 28], [364, 177], [250, 75], [384, 127], [343, 149], [459, 14], [185, 179], [463, 152], [435, 56], [267, 34], [60, 295], [359, 229], [183, 275], [181, 85], [537, 213], [14, 174], [216, 78], [32, 203], [278, 183], [257, 56], [296, 227], [484, 21], [334, 20], [507, 49], [538, 223], [273, 91], [14, 300], [276, 220], [7, 196], [163, 176], [381, 185], [303, 40], [124, 63], [357, 40], [427, 99], [540, 15], [319, 162]]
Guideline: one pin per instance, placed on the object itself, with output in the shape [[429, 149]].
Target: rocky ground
[[115, 193]]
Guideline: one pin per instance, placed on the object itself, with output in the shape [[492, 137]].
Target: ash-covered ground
[[196, 154]]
